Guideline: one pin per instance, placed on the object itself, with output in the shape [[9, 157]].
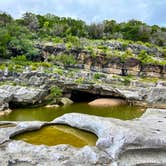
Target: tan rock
[[52, 106], [6, 112], [107, 102]]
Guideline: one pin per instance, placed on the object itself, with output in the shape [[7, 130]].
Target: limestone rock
[[128, 143], [157, 95], [107, 102], [21, 95], [122, 143], [66, 101]]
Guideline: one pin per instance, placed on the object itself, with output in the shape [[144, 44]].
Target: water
[[124, 112], [58, 134]]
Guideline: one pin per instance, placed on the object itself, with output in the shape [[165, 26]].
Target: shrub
[[66, 59], [20, 60], [127, 54], [97, 76], [79, 80], [145, 58], [55, 91]]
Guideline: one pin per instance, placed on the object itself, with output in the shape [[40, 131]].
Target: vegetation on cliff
[[21, 39]]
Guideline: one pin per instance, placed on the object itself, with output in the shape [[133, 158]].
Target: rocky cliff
[[108, 64]]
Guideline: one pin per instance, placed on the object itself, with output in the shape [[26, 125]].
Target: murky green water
[[58, 134], [124, 112]]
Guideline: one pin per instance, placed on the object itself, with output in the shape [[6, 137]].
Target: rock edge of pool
[[122, 143]]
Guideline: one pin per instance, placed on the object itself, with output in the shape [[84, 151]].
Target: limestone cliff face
[[111, 65]]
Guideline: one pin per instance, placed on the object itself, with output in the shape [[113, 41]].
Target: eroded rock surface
[[120, 143], [20, 95], [139, 141]]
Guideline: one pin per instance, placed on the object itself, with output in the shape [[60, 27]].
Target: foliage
[[20, 60], [55, 91], [145, 58], [4, 40], [95, 31], [5, 18], [18, 36], [127, 54], [65, 59], [97, 76], [74, 40], [79, 80]]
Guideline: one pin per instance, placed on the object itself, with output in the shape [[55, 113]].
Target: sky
[[149, 11]]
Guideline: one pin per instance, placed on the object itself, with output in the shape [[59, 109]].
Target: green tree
[[5, 19], [4, 40], [96, 31], [31, 21]]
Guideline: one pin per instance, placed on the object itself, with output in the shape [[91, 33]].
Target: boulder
[[52, 106], [66, 101], [107, 102], [157, 95], [5, 112], [21, 95], [5, 97]]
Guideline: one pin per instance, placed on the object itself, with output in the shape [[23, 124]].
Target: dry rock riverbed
[[120, 143]]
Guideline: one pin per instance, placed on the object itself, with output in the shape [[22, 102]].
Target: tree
[[5, 18], [4, 40], [96, 31], [144, 33], [31, 21]]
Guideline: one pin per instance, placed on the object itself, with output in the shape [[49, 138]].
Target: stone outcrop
[[133, 142], [34, 92], [5, 97], [111, 65], [65, 101], [20, 96], [120, 143], [157, 95]]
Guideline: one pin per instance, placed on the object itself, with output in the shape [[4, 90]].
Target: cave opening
[[83, 96]]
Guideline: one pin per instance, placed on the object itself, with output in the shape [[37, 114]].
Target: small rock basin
[[58, 134]]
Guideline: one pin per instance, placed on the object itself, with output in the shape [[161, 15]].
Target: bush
[[66, 59], [127, 54], [97, 76], [55, 91], [80, 80], [145, 58], [20, 60]]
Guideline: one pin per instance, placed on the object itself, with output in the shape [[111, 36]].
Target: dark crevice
[[82, 96]]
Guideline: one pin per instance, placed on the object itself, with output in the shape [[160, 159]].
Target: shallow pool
[[58, 134], [124, 112]]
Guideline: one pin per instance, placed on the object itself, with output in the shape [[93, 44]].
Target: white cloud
[[92, 10]]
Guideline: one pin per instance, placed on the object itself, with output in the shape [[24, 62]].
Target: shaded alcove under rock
[[83, 96]]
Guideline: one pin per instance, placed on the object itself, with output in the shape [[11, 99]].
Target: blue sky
[[149, 11]]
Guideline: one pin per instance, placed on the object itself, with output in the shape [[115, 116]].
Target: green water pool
[[124, 112], [58, 134]]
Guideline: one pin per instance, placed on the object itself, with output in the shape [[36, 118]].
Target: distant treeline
[[17, 34]]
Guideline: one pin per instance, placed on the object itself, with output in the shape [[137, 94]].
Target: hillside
[[111, 47]]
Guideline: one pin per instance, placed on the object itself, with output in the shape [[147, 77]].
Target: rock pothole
[[52, 135]]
